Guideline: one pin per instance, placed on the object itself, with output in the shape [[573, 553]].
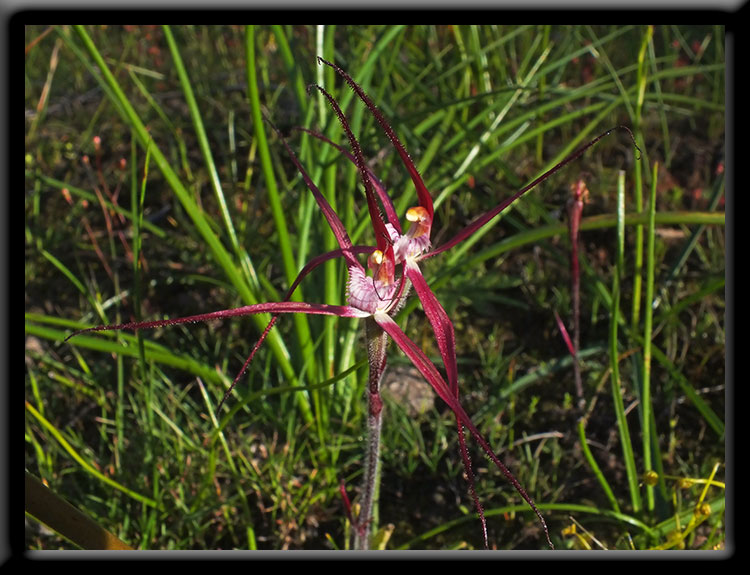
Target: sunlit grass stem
[[277, 210], [641, 81], [614, 353], [646, 415]]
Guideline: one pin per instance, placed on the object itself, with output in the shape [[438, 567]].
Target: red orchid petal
[[425, 199], [444, 334], [418, 358], [385, 199], [431, 374], [441, 323], [486, 217], [470, 480], [347, 253], [272, 307], [268, 307], [248, 361], [337, 227], [381, 233], [390, 260]]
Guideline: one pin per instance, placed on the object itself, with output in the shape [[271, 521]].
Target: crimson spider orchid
[[376, 296]]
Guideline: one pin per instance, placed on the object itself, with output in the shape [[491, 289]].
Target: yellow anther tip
[[377, 257], [416, 214]]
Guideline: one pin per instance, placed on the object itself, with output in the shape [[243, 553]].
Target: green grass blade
[[595, 466], [203, 144], [646, 416], [277, 209], [85, 465], [614, 354]]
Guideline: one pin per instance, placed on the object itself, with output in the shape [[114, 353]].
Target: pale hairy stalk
[[377, 341]]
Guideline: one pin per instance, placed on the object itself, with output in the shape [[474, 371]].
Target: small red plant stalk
[[575, 210], [376, 292], [579, 196]]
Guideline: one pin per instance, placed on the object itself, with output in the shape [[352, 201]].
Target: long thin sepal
[[440, 322], [311, 265], [433, 377], [337, 226], [487, 216], [470, 480], [269, 307], [444, 335], [381, 233], [385, 199], [425, 199]]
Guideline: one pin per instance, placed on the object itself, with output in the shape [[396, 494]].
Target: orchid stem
[[377, 341]]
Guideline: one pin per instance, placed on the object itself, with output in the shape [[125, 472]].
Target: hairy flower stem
[[575, 209], [377, 341]]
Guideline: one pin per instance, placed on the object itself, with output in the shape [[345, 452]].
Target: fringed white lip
[[367, 294]]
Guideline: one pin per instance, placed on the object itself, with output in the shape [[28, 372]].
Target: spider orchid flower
[[413, 246], [377, 296]]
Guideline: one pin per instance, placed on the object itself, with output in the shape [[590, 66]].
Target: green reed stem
[[646, 415], [595, 466], [622, 424], [641, 79], [277, 209], [202, 138]]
